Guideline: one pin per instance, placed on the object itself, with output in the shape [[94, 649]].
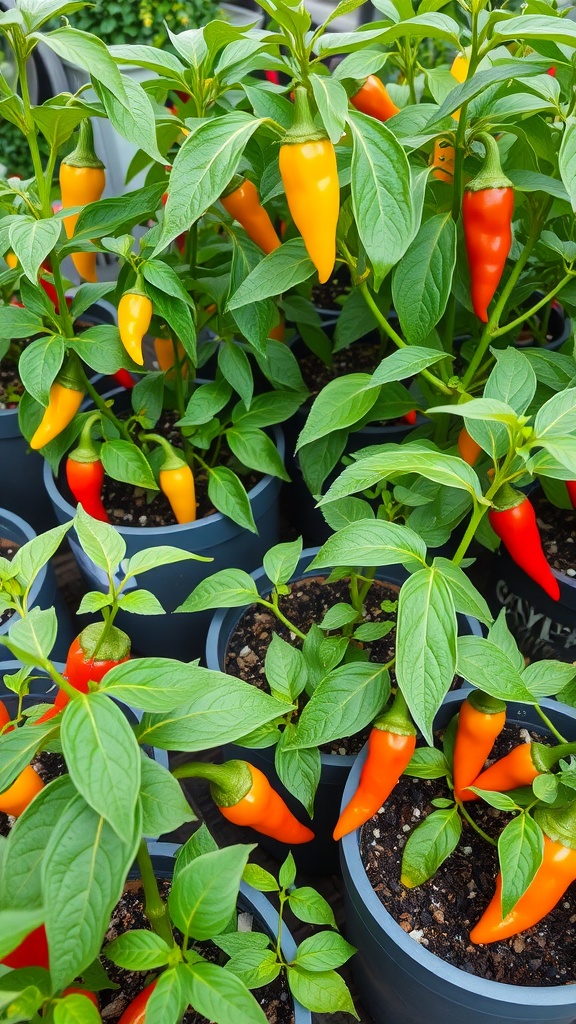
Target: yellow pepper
[[82, 181], [134, 316], [66, 396]]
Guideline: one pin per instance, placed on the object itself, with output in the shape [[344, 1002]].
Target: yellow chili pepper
[[11, 259], [459, 71], [241, 201], [310, 177], [134, 316], [176, 481], [82, 181], [66, 396]]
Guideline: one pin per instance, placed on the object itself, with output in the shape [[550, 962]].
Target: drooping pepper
[[245, 797], [391, 744], [82, 181], [66, 396], [480, 722], [443, 160], [468, 448], [32, 951], [135, 1013], [372, 98], [556, 872], [310, 178], [85, 473], [521, 766], [487, 210], [134, 316], [16, 798], [241, 201], [176, 481], [513, 520], [571, 488]]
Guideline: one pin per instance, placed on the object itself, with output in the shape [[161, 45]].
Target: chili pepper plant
[[69, 851]]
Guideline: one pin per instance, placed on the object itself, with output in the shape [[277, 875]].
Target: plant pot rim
[[175, 528], [29, 534], [557, 995]]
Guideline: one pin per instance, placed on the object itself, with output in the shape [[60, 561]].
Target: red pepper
[[85, 473], [32, 951], [410, 417], [124, 378], [487, 210], [480, 722], [571, 488], [136, 1011], [551, 71], [81, 665], [514, 522], [391, 745]]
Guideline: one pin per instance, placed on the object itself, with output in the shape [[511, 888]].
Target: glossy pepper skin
[[391, 744], [66, 396], [487, 209], [556, 872], [310, 178], [480, 722], [243, 204], [32, 951], [134, 316], [263, 809], [571, 488], [136, 1011], [522, 765], [82, 181], [176, 481], [518, 530], [16, 798], [372, 98], [11, 259], [85, 473], [468, 448]]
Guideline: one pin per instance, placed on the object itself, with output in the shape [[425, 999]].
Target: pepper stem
[[491, 174], [485, 703], [304, 128], [84, 154], [559, 824], [397, 718], [154, 906], [70, 376], [507, 497], [87, 450], [229, 782], [171, 458], [545, 758]]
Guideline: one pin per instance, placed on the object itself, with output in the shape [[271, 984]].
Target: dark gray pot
[[182, 636], [43, 593], [320, 856], [399, 979], [250, 900]]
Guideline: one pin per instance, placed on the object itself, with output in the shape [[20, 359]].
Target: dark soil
[[558, 531], [326, 296], [8, 549], [440, 913], [128, 915], [11, 387], [307, 603], [361, 357], [49, 766]]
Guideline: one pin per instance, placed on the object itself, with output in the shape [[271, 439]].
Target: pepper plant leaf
[[429, 845], [520, 852]]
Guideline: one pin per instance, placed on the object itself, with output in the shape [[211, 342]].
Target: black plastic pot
[[320, 856], [402, 981], [182, 636], [43, 593], [249, 900]]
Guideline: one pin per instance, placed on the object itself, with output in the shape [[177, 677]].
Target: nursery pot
[[216, 536], [320, 856], [402, 981], [249, 900], [43, 593]]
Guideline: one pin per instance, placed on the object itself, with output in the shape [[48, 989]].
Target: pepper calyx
[[115, 646]]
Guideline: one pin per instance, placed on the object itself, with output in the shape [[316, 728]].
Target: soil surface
[[326, 296], [129, 914], [363, 356], [11, 387], [558, 531], [440, 913]]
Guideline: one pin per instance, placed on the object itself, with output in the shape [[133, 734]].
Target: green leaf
[[429, 845], [158, 684], [32, 556], [138, 950], [484, 665], [285, 669], [298, 769], [164, 554], [103, 758], [343, 703], [427, 763], [228, 495], [343, 402], [281, 561], [548, 678], [88, 52], [332, 102], [321, 992], [219, 995], [512, 380], [124, 461], [229, 588], [140, 602], [557, 417], [100, 541], [117, 215], [309, 906], [260, 879], [381, 193], [168, 1001], [467, 600], [164, 806], [422, 280], [323, 952], [203, 895], [404, 363], [255, 967], [520, 852], [32, 241], [76, 1009], [426, 634], [18, 323], [31, 639], [372, 542], [15, 925], [281, 270], [253, 448]]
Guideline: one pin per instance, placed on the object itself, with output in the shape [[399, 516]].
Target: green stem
[[178, 380], [282, 898], [534, 309], [105, 409], [64, 313], [477, 516], [398, 341], [274, 607], [154, 906], [60, 680], [476, 827], [487, 333], [31, 136], [550, 724]]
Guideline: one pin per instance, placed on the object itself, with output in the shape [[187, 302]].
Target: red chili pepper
[[571, 488], [514, 522], [487, 210], [136, 1011], [480, 722], [245, 797], [551, 71], [81, 665], [410, 417], [391, 745], [556, 872], [521, 766], [371, 97], [4, 718], [85, 472], [272, 76], [32, 951], [124, 378]]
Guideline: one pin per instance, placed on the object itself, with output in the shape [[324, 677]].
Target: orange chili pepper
[[241, 201], [468, 448], [480, 722], [373, 98]]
